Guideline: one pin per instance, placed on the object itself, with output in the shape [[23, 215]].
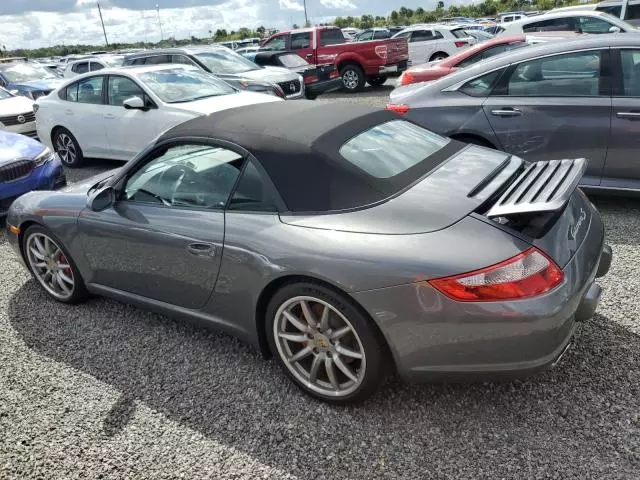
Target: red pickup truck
[[358, 62]]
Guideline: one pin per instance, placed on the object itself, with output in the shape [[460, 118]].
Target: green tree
[[441, 5]]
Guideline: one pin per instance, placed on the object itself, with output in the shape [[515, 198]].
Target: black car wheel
[[52, 266], [325, 344], [377, 80], [353, 79], [438, 56], [67, 148]]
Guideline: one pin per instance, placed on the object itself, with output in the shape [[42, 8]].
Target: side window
[[158, 59], [459, 33], [276, 43], [138, 61], [93, 66], [422, 36], [614, 10], [633, 12], [568, 75], [630, 72], [333, 36], [192, 176], [90, 90], [567, 24], [252, 193], [300, 40], [80, 67], [379, 34], [593, 25], [71, 92], [481, 86], [122, 88], [182, 60], [364, 36], [403, 35]]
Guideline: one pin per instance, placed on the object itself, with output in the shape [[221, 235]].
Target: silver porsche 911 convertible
[[347, 242]]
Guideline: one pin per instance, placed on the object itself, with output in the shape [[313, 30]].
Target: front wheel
[[352, 78], [325, 344], [377, 80], [67, 148], [438, 56]]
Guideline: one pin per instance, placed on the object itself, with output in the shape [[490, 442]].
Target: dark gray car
[[343, 240], [576, 98]]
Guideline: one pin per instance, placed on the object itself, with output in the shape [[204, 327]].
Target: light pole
[[159, 21], [306, 20], [103, 29]]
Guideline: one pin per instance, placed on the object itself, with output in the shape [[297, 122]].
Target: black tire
[[438, 56], [473, 140], [311, 96], [67, 148], [78, 291], [374, 367], [377, 81], [353, 79]]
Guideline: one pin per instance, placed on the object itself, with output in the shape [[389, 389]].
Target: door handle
[[628, 115], [506, 112], [202, 249], [109, 116]]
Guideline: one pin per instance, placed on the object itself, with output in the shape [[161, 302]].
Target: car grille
[[290, 88], [15, 119], [16, 170]]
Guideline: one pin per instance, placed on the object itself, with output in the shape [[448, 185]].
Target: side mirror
[[614, 30], [101, 199], [134, 103]]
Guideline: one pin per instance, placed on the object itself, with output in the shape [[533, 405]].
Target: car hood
[[450, 192], [44, 84], [14, 146], [15, 106], [271, 74], [224, 102]]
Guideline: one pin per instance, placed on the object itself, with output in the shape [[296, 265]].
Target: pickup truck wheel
[[352, 78], [377, 80]]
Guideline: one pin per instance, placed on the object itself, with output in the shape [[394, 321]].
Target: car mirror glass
[[101, 199], [133, 103]]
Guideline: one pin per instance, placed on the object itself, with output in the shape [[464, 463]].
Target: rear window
[[389, 149]]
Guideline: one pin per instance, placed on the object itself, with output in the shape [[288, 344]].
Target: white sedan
[[115, 113], [16, 114]]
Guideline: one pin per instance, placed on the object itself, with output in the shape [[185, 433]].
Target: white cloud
[[291, 5], [345, 4]]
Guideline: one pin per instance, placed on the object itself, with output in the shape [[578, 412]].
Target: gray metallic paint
[[384, 272]]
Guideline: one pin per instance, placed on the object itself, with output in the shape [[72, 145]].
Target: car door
[[82, 113], [129, 131], [302, 45], [163, 237], [622, 167], [422, 44], [554, 107]]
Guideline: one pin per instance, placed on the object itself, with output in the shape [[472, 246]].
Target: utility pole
[[159, 21], [306, 19], [102, 22]]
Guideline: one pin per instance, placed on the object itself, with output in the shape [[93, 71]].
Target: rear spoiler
[[544, 186]]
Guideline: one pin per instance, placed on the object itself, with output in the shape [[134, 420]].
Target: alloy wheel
[[319, 346], [350, 79], [66, 148], [50, 266]]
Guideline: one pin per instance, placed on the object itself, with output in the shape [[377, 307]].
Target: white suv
[[428, 43], [585, 21], [91, 64]]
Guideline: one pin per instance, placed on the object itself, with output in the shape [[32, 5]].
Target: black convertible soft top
[[298, 143]]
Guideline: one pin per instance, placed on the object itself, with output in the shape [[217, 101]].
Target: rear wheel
[[353, 79], [67, 148], [438, 56], [52, 266], [325, 344], [377, 80]]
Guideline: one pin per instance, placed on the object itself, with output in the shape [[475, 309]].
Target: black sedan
[[318, 79]]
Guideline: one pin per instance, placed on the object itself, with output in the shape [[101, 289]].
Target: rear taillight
[[526, 275], [399, 109], [407, 79], [381, 51], [311, 79], [461, 44]]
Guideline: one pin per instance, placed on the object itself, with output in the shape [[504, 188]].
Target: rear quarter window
[[389, 149]]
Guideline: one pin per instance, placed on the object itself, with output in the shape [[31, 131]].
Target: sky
[[41, 23]]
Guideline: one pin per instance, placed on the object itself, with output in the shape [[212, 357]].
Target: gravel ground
[[104, 390]]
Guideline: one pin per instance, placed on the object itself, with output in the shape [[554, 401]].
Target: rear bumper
[[394, 68], [318, 88], [432, 337]]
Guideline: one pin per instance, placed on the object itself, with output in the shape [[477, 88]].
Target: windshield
[[291, 60], [4, 94], [24, 72], [179, 86], [390, 148], [225, 61]]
